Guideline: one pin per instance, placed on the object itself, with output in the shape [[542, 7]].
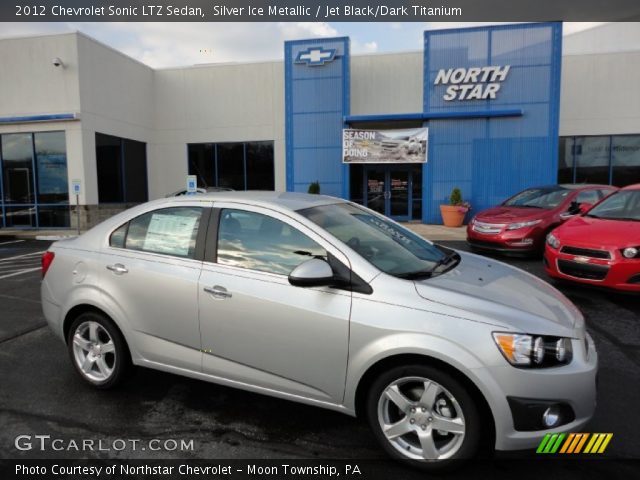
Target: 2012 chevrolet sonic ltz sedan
[[322, 301]]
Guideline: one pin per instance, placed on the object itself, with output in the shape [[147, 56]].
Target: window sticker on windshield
[[170, 234]]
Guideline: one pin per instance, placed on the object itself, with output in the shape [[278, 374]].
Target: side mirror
[[312, 273], [585, 207]]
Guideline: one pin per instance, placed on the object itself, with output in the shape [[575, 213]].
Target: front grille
[[586, 252], [487, 228], [483, 244], [583, 270]]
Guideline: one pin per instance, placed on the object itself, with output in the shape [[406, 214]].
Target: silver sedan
[[322, 301]]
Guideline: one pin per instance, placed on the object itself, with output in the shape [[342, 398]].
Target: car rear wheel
[[423, 416], [98, 350]]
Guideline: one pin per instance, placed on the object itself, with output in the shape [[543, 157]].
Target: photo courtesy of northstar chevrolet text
[[313, 240]]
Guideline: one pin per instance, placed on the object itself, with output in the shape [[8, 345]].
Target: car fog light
[[630, 252], [551, 416]]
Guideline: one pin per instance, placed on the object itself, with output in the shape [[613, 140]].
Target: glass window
[[588, 196], [392, 249], [625, 156], [259, 242], [122, 170], [51, 157], [592, 159], [135, 171], [549, 197], [231, 165], [260, 175], [53, 216], [565, 160], [109, 166], [170, 231], [622, 205], [17, 151], [201, 160], [118, 236]]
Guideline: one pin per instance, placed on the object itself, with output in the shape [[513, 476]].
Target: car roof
[[577, 186], [284, 200], [635, 186]]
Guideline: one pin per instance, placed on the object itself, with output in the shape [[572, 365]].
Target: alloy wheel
[[94, 351], [421, 419]]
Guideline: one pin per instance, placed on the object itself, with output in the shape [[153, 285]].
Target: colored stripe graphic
[[574, 443]]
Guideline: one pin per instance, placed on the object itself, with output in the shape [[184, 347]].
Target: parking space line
[[22, 256], [19, 273], [13, 297], [11, 241]]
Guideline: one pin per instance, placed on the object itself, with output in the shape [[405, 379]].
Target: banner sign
[[408, 145]]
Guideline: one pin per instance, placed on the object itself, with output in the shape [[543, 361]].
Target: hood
[[502, 214], [599, 233], [505, 295]]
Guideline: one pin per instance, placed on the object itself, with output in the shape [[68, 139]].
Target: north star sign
[[315, 56], [474, 83]]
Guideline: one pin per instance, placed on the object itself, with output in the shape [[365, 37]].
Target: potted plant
[[314, 187], [453, 213]]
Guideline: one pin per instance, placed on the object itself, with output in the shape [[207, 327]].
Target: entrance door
[[389, 190]]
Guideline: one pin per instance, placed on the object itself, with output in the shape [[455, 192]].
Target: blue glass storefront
[[491, 104], [33, 180]]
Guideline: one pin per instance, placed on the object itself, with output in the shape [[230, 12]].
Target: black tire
[[119, 361], [467, 448]]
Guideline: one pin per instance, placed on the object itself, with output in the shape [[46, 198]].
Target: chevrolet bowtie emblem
[[315, 56]]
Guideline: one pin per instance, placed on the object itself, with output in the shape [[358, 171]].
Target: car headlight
[[631, 252], [534, 351], [552, 241], [516, 226]]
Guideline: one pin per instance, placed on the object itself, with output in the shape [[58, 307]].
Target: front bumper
[[573, 384], [616, 273], [522, 240]]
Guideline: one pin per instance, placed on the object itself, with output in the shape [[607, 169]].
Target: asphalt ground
[[41, 394]]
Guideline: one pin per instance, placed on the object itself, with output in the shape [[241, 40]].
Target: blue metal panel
[[317, 100], [395, 117], [491, 157]]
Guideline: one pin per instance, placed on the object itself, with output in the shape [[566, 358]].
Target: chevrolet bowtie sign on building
[[316, 56]]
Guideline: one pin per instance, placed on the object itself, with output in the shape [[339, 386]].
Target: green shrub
[[456, 197], [314, 187]]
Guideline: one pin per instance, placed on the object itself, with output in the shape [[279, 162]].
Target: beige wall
[[218, 103], [388, 83], [600, 94]]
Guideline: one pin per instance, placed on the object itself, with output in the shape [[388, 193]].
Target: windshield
[[622, 205], [538, 198], [392, 249]]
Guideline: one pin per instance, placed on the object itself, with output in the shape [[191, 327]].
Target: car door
[[256, 327], [150, 274]]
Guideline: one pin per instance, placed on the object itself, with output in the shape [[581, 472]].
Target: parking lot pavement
[[20, 286], [41, 394]]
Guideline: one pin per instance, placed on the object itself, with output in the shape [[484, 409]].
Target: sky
[[162, 45]]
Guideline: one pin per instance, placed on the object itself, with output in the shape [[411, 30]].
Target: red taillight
[[47, 260]]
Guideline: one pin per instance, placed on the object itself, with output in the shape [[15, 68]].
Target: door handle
[[218, 292], [118, 268]]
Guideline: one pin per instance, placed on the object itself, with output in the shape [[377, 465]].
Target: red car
[[521, 223], [600, 247]]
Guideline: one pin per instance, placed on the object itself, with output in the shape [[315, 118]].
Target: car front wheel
[[424, 416], [98, 350]]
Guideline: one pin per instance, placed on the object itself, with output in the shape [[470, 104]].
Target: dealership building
[[504, 107]]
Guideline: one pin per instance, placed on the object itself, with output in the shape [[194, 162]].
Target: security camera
[[57, 62]]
